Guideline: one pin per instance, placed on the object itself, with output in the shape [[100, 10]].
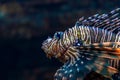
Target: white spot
[[78, 59], [82, 62], [70, 71], [70, 75], [82, 56], [56, 74], [78, 44], [76, 65], [60, 74], [88, 58], [66, 72], [69, 65], [64, 66], [78, 69], [63, 69]]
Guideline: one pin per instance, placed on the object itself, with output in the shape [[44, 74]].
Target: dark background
[[25, 24]]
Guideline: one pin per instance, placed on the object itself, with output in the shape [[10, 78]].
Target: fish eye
[[58, 35]]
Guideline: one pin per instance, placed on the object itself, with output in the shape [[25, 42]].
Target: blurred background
[[25, 24]]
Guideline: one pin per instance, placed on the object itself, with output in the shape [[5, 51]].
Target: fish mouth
[[44, 48], [54, 52]]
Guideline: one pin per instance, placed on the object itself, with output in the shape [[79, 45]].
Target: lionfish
[[93, 44]]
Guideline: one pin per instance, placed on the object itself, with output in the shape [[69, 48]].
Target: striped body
[[93, 44], [92, 37]]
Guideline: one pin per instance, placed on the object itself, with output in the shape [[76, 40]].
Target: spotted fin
[[104, 59], [102, 68]]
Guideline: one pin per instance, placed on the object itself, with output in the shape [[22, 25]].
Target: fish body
[[93, 44]]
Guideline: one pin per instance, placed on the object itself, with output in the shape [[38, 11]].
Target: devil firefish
[[93, 44]]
